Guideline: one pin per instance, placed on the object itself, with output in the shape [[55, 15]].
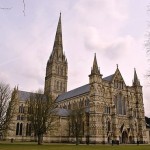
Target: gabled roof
[[78, 91], [108, 78], [118, 71], [23, 95]]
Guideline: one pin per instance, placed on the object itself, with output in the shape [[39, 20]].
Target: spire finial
[[95, 69], [117, 66], [136, 81], [134, 69]]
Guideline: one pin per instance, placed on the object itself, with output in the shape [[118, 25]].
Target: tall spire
[[95, 69], [57, 66], [136, 81], [58, 45]]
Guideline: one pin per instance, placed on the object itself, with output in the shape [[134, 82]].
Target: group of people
[[117, 142]]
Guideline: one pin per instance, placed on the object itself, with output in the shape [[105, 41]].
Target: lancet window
[[19, 127], [120, 104]]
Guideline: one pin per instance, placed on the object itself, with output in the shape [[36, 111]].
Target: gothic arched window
[[17, 129], [57, 85], [20, 133], [61, 86], [123, 106], [108, 126], [120, 104], [115, 101]]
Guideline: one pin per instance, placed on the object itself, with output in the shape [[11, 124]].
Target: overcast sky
[[113, 29]]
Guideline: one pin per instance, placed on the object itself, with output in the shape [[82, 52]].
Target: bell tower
[[57, 67]]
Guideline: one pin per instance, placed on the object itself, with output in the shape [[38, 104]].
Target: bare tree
[[147, 42], [41, 109], [6, 107], [77, 123], [147, 45]]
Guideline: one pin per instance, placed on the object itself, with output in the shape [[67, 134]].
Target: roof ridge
[[76, 88], [108, 78]]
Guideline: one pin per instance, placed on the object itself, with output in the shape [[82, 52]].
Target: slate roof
[[78, 91], [109, 78], [23, 95]]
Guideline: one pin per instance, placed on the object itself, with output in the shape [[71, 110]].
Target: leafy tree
[[41, 109]]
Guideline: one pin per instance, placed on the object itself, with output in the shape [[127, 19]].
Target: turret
[[95, 79], [95, 75], [96, 101]]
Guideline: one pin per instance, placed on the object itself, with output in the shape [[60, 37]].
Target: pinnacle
[[95, 69], [136, 80]]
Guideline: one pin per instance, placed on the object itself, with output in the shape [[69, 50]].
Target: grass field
[[29, 146]]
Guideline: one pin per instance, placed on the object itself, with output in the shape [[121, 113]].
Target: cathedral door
[[124, 137], [130, 139]]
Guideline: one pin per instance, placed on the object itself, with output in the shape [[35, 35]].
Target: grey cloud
[[114, 51]]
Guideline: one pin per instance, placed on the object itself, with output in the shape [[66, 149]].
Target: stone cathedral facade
[[115, 110]]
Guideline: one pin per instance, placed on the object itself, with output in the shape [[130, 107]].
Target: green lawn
[[30, 146]]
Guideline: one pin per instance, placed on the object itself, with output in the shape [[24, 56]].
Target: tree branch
[[24, 7], [8, 8]]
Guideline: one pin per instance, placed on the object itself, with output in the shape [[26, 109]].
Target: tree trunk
[[40, 139], [76, 133], [77, 140]]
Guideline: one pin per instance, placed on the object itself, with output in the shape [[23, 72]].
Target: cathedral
[[115, 110]]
